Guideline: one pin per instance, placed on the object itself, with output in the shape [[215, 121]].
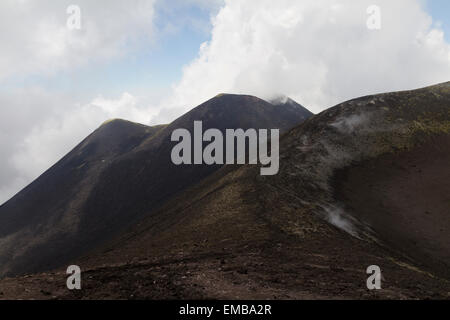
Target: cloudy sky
[[150, 61]]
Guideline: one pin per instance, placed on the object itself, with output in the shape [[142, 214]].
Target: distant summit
[[111, 180], [289, 104], [364, 183]]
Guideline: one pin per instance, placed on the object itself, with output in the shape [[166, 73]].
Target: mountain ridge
[[296, 235], [107, 182]]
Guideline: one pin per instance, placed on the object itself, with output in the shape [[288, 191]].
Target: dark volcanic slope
[[40, 222], [146, 177], [111, 180], [394, 150], [405, 198], [239, 235]]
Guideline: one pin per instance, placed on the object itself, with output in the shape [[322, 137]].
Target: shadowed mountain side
[[109, 181], [45, 217], [147, 177], [221, 240], [405, 198], [239, 235], [386, 126]]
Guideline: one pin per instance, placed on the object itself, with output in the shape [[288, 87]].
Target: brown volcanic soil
[[219, 241], [405, 199], [236, 234]]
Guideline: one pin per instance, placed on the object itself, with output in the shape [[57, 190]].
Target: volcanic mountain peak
[[234, 101], [282, 229], [115, 121], [232, 111], [140, 217], [281, 100], [289, 104], [114, 177], [248, 101]]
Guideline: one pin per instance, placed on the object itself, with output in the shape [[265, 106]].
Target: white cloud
[[35, 38], [56, 136], [49, 131], [20, 111], [319, 52], [38, 126]]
